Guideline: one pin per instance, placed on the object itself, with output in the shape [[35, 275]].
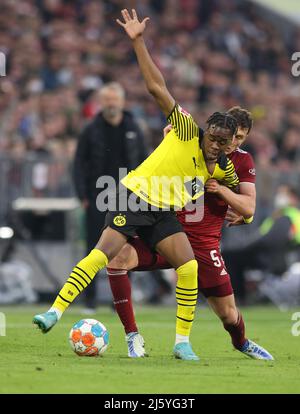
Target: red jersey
[[206, 234]]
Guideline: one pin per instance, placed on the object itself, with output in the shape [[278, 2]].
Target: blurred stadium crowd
[[214, 54]]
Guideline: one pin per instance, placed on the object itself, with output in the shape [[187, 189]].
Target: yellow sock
[[186, 296], [80, 277]]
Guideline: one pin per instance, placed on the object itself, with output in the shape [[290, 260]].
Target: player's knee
[[190, 266], [124, 259]]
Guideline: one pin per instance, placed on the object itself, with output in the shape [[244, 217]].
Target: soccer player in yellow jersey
[[187, 156]]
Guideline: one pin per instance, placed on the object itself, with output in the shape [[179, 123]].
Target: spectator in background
[[58, 50], [112, 140], [267, 249]]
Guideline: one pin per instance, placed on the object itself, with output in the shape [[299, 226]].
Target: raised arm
[[153, 78]]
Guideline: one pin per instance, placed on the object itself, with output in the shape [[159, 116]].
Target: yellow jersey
[[175, 172]]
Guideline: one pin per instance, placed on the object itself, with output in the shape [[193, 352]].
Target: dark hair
[[242, 117], [223, 120]]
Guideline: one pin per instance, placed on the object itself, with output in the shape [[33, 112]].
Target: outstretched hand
[[131, 25]]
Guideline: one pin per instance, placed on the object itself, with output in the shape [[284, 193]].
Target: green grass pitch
[[35, 363]]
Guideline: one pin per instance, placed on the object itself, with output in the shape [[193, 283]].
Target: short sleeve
[[246, 170], [231, 178], [183, 124]]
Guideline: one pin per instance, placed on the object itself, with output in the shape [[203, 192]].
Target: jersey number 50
[[215, 258]]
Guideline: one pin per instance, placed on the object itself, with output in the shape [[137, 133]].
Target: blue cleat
[[184, 351], [45, 321], [136, 345], [252, 350]]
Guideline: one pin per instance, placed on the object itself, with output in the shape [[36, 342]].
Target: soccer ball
[[89, 337]]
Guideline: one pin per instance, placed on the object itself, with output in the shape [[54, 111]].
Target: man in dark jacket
[[112, 140]]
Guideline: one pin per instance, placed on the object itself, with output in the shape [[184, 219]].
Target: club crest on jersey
[[120, 220]]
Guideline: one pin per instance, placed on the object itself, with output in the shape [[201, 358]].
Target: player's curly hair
[[242, 116], [223, 120]]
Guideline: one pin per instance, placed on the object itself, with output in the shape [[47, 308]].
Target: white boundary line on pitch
[[2, 324]]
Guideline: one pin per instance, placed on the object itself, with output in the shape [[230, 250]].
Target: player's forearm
[[242, 203], [152, 75]]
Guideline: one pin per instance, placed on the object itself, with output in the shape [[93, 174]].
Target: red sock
[[237, 332], [121, 290]]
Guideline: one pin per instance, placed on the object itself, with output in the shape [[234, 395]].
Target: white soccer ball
[[89, 337]]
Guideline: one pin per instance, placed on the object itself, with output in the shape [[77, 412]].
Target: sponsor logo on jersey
[[252, 171], [195, 186], [120, 220]]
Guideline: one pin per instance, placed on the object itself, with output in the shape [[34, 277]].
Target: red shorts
[[213, 278]]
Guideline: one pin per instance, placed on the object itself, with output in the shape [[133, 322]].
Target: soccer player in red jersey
[[173, 175], [204, 236]]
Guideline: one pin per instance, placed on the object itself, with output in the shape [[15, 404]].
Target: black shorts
[[150, 226]]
